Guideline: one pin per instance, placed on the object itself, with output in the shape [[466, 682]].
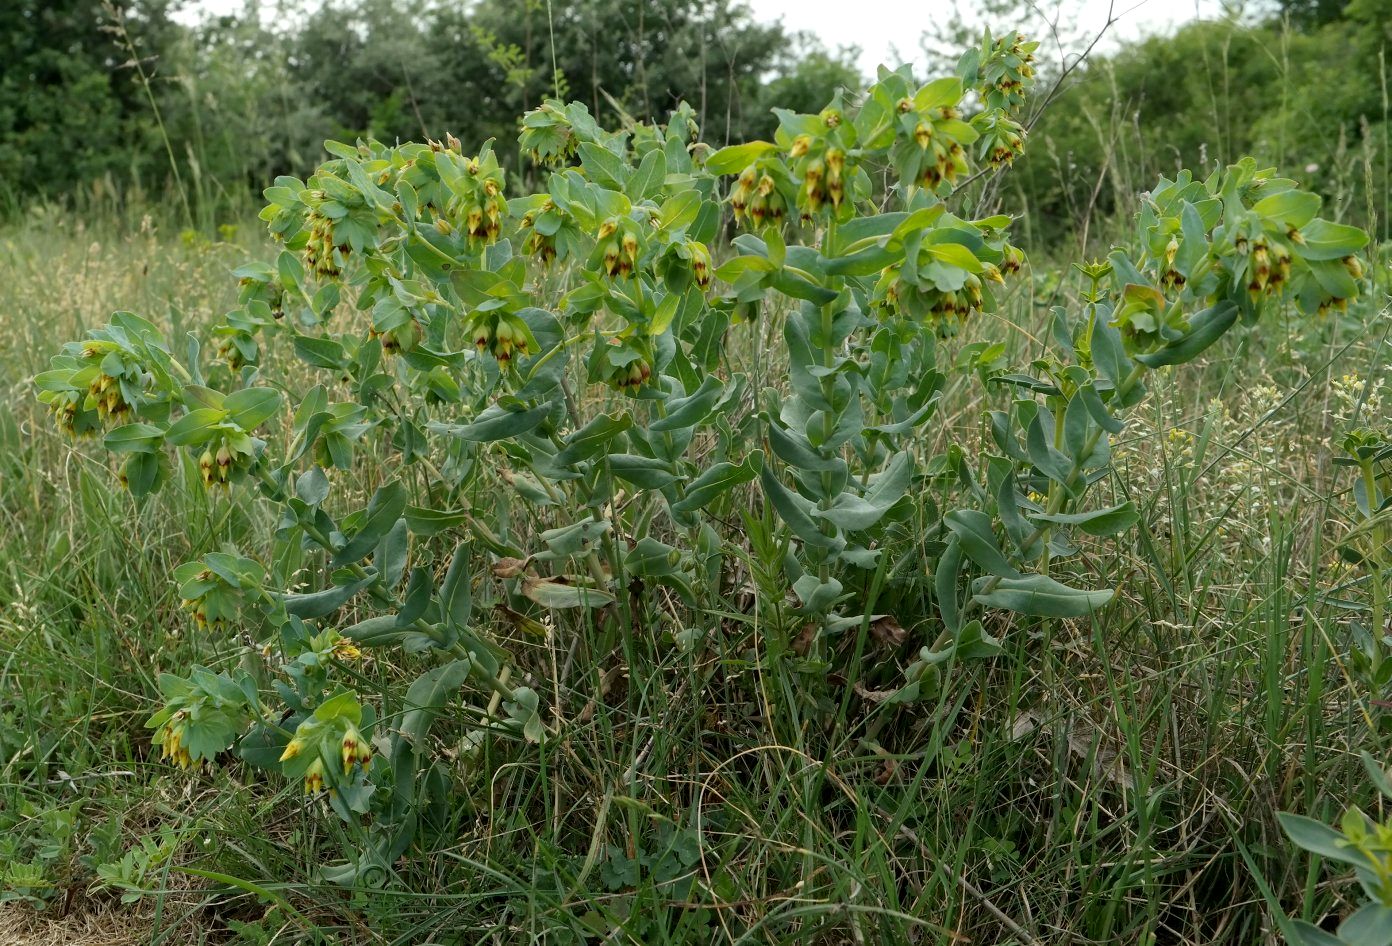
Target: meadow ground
[[1108, 781]]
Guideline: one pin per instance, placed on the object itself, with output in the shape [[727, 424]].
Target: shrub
[[569, 350]]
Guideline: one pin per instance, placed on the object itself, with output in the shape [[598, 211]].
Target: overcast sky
[[888, 31]]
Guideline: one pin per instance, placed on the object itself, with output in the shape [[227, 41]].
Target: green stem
[[1058, 499], [693, 532], [828, 385], [381, 594], [1056, 489], [1376, 626]]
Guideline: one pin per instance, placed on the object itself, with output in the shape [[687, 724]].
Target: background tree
[[67, 87], [249, 96]]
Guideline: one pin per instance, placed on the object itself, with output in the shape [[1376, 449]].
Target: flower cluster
[[818, 154], [69, 415], [540, 241], [937, 135], [1002, 138], [478, 204], [499, 333], [619, 246], [104, 392], [1268, 264], [923, 129], [1143, 314], [327, 745], [324, 254], [762, 194], [225, 457], [170, 739], [623, 363], [701, 267], [258, 286], [120, 371], [1245, 237], [400, 337], [551, 133], [1002, 70], [949, 268], [215, 588], [202, 715]]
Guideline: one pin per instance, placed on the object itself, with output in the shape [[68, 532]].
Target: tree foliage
[[1211, 92], [67, 88]]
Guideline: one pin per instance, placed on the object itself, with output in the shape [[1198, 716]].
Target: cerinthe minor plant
[[569, 351]]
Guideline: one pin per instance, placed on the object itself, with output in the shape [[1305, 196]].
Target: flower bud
[[345, 649], [292, 748], [502, 341], [1014, 259], [354, 749], [483, 334], [700, 263], [171, 737], [314, 777]]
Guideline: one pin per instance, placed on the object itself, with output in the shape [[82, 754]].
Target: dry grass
[[90, 923], [1095, 782]]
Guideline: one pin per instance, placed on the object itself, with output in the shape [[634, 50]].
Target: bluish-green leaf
[[426, 522], [318, 604], [1041, 596], [426, 697], [383, 511], [1318, 838], [643, 472], [456, 592], [195, 428], [249, 408], [497, 422], [647, 180], [945, 581], [1205, 328], [717, 480], [691, 411], [593, 439], [974, 532], [555, 594], [650, 558], [1109, 521], [855, 513], [1370, 925], [795, 511], [735, 158], [134, 438]]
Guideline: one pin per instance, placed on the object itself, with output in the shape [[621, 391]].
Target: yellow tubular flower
[[314, 777], [354, 749], [345, 649]]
